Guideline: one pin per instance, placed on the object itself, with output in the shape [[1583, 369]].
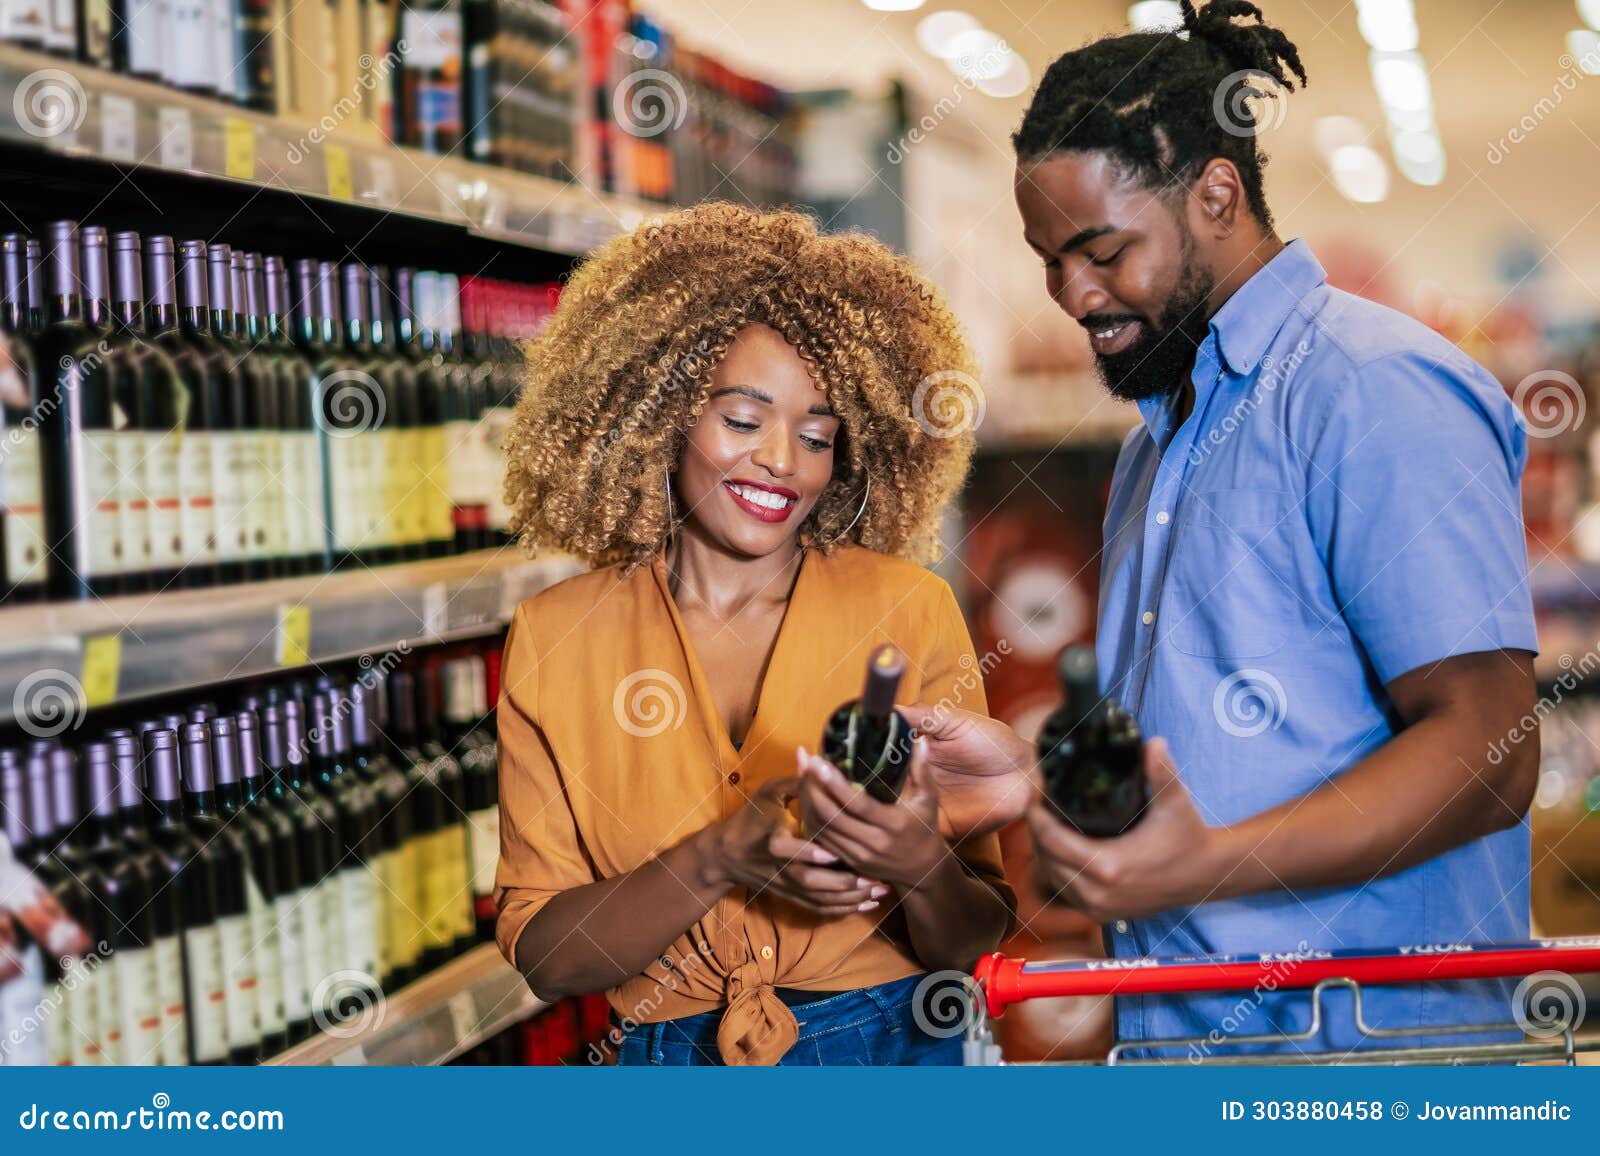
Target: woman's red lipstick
[[774, 503]]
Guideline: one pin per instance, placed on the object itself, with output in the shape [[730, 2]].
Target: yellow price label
[[102, 665], [239, 148], [337, 162], [294, 635]]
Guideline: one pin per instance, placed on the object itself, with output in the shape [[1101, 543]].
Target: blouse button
[[766, 952], [734, 778]]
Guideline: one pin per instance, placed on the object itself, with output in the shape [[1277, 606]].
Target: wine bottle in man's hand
[[868, 740], [1091, 755]]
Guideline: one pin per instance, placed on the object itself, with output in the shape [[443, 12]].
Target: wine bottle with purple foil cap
[[867, 739]]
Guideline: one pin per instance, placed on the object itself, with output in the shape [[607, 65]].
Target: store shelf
[[136, 646], [71, 109], [430, 1022]]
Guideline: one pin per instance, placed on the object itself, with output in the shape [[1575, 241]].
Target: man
[[1314, 579]]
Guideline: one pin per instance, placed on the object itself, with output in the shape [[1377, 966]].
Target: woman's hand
[[898, 842], [759, 849]]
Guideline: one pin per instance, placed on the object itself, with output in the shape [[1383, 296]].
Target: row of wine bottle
[[251, 875], [192, 414]]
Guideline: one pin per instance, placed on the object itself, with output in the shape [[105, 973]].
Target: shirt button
[[1163, 518], [1122, 926], [766, 952], [1149, 617], [734, 778]]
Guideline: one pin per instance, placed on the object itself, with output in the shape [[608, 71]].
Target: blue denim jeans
[[874, 1025]]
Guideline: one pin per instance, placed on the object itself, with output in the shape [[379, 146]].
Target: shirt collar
[[1251, 318]]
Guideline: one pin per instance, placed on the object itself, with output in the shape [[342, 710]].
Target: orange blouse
[[612, 749]]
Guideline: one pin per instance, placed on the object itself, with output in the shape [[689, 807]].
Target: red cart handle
[[1008, 980]]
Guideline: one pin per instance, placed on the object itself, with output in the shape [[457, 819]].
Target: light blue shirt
[[1341, 506]]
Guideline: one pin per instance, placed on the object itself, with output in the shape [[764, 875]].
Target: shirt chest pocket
[[1231, 586]]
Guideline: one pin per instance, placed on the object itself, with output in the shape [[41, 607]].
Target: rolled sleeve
[[1414, 500], [541, 854]]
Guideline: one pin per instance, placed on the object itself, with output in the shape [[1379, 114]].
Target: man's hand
[[981, 767], [1168, 860]]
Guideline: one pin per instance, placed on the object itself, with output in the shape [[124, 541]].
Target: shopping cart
[[1548, 1005]]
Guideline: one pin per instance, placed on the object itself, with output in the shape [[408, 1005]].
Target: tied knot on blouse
[[758, 1027]]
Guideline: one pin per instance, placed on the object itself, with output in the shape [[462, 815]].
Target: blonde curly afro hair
[[621, 374]]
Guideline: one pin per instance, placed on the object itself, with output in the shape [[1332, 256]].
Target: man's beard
[[1156, 364]]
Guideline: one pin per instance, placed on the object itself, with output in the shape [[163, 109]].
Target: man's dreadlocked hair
[[1150, 99]]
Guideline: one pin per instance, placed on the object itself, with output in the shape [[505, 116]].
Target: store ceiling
[[1491, 62]]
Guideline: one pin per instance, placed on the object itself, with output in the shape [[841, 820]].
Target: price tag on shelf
[[380, 173], [102, 666], [177, 138], [238, 148], [119, 136], [352, 1057], [337, 163], [435, 609], [294, 635], [463, 1015]]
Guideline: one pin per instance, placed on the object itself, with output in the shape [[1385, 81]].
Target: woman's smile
[[763, 502]]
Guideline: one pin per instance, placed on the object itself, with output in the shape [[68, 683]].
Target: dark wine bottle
[[438, 515], [304, 502], [239, 557], [358, 880], [867, 739], [207, 374], [369, 422], [335, 408], [451, 902], [24, 994], [323, 926], [466, 689], [397, 378], [1091, 756], [388, 843], [22, 546], [263, 402], [74, 882], [260, 883], [421, 948]]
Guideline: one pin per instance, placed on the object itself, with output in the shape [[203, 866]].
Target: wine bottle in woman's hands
[[867, 739], [1091, 755]]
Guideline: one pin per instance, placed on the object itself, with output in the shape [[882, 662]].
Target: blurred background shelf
[[428, 1022], [142, 645]]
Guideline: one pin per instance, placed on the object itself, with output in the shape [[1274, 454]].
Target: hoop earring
[[672, 516], [862, 509]]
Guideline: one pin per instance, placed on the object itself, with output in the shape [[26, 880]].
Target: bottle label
[[347, 485], [485, 825], [265, 946], [132, 449], [23, 493], [164, 500], [357, 891], [63, 26], [259, 485], [412, 499], [310, 477], [225, 49], [84, 979], [174, 1000], [100, 511], [436, 490], [446, 892], [292, 526], [61, 1024], [139, 1005], [314, 938], [493, 429], [411, 927], [275, 487], [432, 39], [291, 949], [387, 865], [207, 993], [144, 37], [190, 58], [460, 476], [108, 1009], [240, 961], [96, 16], [22, 1002], [199, 492], [381, 468], [335, 944], [25, 20], [230, 477], [460, 859]]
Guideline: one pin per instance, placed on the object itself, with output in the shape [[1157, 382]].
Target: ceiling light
[[1401, 80], [1155, 16], [936, 30], [893, 5], [1013, 81], [978, 55], [1360, 174], [1387, 25], [1419, 156], [1584, 48], [1590, 11], [1331, 133]]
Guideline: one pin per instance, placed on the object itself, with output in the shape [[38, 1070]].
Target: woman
[[722, 423]]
